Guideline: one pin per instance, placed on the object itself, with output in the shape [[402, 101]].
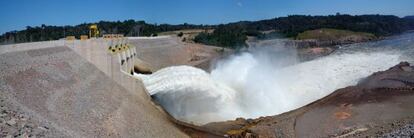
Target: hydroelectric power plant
[[206, 69], [149, 87]]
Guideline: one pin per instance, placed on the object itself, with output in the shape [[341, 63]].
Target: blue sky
[[17, 14]]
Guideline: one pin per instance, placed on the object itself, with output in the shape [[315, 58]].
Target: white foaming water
[[250, 85], [190, 94]]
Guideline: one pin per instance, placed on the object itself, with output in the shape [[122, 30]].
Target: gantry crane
[[93, 31]]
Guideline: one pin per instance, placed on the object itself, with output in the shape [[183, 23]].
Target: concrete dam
[[79, 88]]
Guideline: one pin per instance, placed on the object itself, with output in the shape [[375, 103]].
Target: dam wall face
[[77, 89], [28, 46], [161, 52]]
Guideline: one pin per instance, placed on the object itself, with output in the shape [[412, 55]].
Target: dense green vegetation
[[380, 25], [291, 26], [226, 36], [232, 35], [410, 20], [128, 28]]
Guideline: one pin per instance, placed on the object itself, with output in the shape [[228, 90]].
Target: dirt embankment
[[203, 56], [303, 53], [380, 105], [321, 42], [171, 51], [331, 37], [317, 43]]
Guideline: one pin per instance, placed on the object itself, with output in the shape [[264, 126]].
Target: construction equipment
[[93, 31]]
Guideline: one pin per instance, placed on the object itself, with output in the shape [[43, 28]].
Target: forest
[[127, 27], [291, 26], [231, 35]]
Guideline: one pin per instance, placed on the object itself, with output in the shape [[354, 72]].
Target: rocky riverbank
[[380, 105]]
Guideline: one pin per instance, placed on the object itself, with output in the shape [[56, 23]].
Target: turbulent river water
[[264, 81]]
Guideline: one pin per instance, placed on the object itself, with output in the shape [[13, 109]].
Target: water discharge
[[254, 84]]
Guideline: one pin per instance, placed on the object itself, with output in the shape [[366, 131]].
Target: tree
[[180, 34]]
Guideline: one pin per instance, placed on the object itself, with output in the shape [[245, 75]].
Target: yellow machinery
[[119, 44], [93, 31]]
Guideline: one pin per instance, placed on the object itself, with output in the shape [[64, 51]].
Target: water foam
[[250, 85]]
